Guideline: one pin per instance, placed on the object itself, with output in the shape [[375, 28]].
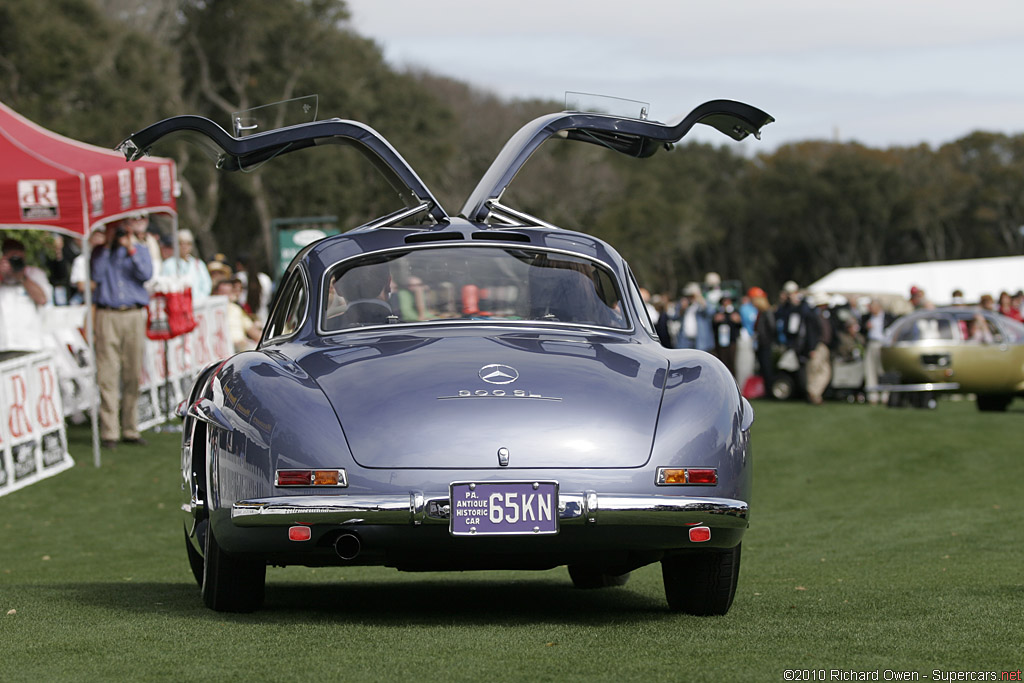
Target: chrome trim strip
[[495, 206], [407, 509], [306, 311], [287, 510], [417, 507], [924, 386], [393, 218], [590, 506]]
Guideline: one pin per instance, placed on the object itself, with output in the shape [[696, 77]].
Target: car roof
[[454, 232]]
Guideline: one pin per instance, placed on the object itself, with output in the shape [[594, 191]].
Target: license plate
[[510, 508]]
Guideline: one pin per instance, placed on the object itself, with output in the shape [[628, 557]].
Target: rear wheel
[[701, 583], [584, 576], [994, 402], [231, 583]]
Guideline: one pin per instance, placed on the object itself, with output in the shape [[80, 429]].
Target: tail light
[[334, 478], [687, 476]]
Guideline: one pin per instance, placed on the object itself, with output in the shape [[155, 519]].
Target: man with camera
[[119, 269], [24, 290]]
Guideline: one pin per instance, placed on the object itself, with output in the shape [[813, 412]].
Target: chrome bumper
[[415, 509]]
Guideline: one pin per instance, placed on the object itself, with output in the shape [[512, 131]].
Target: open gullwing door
[[631, 136]]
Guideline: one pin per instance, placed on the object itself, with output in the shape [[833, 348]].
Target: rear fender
[[262, 413], [704, 422]]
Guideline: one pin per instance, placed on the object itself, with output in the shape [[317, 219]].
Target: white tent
[[938, 279]]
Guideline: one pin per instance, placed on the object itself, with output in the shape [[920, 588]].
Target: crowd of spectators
[[801, 333], [128, 257]]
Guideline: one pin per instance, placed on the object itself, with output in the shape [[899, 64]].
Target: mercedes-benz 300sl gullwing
[[455, 392]]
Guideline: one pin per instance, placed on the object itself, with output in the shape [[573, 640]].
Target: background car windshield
[[923, 329], [471, 283]]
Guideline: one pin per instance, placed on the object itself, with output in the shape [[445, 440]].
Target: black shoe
[[108, 443], [136, 441]]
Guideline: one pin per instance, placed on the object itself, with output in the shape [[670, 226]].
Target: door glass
[[276, 115]]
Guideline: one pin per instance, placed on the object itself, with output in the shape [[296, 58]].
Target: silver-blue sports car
[[473, 391]]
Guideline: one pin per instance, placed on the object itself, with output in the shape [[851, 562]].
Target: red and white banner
[[37, 390], [32, 435]]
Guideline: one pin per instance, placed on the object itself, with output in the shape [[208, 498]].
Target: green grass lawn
[[880, 539]]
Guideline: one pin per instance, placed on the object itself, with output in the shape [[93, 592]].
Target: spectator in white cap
[[695, 331], [821, 335], [188, 267], [713, 290]]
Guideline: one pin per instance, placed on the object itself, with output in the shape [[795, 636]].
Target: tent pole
[[167, 342], [90, 337]]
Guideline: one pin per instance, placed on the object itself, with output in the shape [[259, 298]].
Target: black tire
[[587, 577], [701, 583], [230, 583], [195, 560], [994, 402], [783, 387]]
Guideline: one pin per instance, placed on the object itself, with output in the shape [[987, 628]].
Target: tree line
[[96, 70]]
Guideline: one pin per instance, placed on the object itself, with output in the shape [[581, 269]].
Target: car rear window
[[470, 283], [921, 329]]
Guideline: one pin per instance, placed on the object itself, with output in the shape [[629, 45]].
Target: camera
[[119, 233], [17, 263]]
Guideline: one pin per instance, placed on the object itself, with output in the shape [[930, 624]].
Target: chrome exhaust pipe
[[347, 546]]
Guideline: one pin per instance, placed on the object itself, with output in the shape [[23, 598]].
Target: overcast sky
[[879, 72]]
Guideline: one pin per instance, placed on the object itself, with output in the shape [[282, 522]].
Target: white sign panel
[[34, 439]]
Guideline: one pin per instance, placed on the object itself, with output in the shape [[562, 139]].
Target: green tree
[[68, 67], [991, 169]]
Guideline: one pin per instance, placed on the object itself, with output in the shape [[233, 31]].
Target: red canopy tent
[[50, 182]]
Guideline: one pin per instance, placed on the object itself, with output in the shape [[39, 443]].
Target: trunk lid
[[452, 402]]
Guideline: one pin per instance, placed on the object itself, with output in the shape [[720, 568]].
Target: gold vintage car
[[960, 348]]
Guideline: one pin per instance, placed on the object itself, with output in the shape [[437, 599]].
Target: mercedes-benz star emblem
[[496, 373]]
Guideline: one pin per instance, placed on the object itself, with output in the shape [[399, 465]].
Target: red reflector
[[299, 533], [699, 534], [294, 477], [703, 476]]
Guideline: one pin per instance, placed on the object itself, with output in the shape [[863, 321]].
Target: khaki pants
[[873, 370], [819, 373], [120, 336]]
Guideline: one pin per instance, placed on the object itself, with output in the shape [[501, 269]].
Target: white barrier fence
[[34, 440], [170, 367], [38, 390]]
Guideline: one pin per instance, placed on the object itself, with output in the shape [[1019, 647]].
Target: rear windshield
[[966, 324], [922, 329], [470, 283]]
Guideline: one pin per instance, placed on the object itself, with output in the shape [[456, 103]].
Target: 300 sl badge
[[500, 393], [504, 508]]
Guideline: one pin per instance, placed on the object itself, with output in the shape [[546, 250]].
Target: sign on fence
[[32, 435]]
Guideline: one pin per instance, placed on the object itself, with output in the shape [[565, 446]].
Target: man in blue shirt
[[119, 268]]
